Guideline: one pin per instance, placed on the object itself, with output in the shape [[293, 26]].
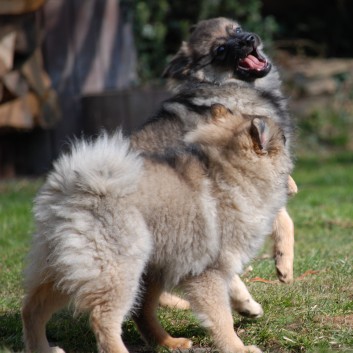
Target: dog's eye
[[221, 49], [238, 30]]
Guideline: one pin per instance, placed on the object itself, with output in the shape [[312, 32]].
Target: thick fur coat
[[222, 63], [114, 225]]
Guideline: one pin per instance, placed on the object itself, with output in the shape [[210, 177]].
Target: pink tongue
[[252, 62]]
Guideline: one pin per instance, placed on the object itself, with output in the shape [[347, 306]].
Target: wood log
[[18, 113], [15, 83], [7, 50], [35, 75], [18, 7]]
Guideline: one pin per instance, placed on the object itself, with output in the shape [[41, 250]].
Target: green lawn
[[315, 314]]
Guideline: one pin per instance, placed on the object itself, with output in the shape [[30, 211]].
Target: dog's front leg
[[148, 323], [209, 298], [283, 237]]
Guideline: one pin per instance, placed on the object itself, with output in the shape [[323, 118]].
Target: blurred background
[[71, 67]]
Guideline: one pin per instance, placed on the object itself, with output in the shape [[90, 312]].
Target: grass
[[315, 314]]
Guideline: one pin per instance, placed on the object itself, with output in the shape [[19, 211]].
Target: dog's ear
[[179, 66], [212, 131], [219, 112], [260, 134]]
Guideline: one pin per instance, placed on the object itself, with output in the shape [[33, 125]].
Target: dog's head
[[219, 50], [236, 134]]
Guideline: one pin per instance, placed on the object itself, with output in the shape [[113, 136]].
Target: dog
[[107, 234], [223, 64]]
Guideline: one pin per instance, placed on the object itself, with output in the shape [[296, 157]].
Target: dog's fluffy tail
[[91, 244], [105, 166]]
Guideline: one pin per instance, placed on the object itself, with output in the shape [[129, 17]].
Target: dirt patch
[[337, 321]]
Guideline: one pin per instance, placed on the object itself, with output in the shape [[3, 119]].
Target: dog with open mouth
[[222, 63], [218, 50]]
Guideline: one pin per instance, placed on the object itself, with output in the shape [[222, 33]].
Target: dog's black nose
[[250, 40], [247, 39]]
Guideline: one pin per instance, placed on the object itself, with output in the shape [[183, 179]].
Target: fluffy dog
[[222, 63], [108, 233]]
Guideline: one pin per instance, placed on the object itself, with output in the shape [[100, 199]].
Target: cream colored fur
[[114, 228]]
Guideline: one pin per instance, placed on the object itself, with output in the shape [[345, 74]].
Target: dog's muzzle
[[250, 63]]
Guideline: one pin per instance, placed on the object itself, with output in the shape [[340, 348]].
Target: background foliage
[[311, 27], [161, 25]]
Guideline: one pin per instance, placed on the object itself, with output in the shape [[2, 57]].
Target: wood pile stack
[[26, 97]]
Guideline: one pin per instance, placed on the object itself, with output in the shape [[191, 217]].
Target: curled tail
[[104, 166], [91, 244], [81, 213]]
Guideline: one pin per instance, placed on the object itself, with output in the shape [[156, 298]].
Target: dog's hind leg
[[208, 295], [283, 237], [242, 301], [148, 324], [110, 298], [107, 317], [39, 305], [172, 301]]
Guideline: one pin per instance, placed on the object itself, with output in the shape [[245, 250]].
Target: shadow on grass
[[75, 335], [11, 332]]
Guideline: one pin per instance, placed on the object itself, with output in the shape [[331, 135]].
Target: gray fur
[[108, 217]]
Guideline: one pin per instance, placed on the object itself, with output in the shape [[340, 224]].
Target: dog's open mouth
[[253, 65]]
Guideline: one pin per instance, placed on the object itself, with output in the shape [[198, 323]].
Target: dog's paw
[[248, 308], [284, 269], [251, 349], [251, 309], [283, 276], [177, 343], [292, 187]]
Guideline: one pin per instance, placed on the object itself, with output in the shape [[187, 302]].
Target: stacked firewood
[[26, 97]]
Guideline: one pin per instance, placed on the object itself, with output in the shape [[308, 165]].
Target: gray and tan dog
[[221, 63], [107, 233]]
